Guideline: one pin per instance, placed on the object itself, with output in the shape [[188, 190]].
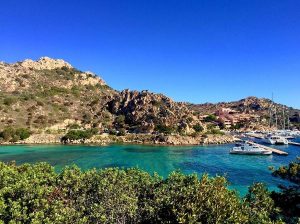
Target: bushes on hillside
[[14, 134], [9, 101], [210, 118], [198, 128], [37, 194], [79, 135], [164, 129]]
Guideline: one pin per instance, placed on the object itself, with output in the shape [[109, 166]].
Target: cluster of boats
[[280, 137]]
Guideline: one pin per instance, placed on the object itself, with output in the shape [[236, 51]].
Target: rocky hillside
[[149, 112], [252, 106], [50, 95]]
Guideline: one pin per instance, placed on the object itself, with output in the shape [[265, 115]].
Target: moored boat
[[247, 149], [275, 140]]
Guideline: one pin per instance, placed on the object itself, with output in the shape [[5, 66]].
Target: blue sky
[[191, 50]]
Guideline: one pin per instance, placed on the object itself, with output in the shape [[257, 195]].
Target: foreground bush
[[37, 194], [288, 199]]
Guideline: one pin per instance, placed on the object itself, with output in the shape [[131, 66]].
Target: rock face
[[44, 93], [56, 72], [146, 110], [43, 139], [44, 63]]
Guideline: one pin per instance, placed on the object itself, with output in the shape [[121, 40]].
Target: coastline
[[136, 139]]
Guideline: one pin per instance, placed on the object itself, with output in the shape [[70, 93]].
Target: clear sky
[[191, 50]]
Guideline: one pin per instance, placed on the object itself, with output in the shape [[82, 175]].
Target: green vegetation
[[288, 200], [74, 126], [237, 126], [9, 101], [37, 194], [79, 135], [210, 118], [10, 134], [214, 132], [198, 128], [121, 132], [164, 129], [120, 120], [212, 129]]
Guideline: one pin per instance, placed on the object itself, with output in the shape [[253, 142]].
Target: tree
[[260, 204], [288, 199]]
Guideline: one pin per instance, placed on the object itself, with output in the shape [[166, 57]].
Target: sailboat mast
[[270, 113], [283, 116]]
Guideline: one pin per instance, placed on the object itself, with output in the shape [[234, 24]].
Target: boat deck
[[276, 151]]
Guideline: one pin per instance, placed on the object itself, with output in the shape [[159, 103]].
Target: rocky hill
[[252, 106], [148, 112], [48, 93], [51, 96]]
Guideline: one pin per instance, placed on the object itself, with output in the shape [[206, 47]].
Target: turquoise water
[[240, 170]]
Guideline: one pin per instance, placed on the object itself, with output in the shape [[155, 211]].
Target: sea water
[[240, 170]]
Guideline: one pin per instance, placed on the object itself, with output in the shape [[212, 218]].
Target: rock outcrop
[[44, 63], [146, 111]]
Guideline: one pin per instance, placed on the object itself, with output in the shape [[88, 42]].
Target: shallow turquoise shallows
[[241, 170]]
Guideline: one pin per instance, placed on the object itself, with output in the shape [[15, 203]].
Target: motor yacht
[[247, 149]]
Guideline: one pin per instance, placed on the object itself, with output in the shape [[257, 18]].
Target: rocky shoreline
[[143, 139]]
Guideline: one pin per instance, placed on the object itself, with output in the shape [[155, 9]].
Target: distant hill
[[251, 105], [50, 94]]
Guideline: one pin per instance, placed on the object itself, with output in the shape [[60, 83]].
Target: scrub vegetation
[[38, 194]]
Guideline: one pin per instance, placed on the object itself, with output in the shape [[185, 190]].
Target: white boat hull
[[251, 153], [248, 149], [275, 140]]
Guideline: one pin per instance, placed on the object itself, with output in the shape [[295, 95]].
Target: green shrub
[[37, 194], [13, 135], [79, 134], [74, 126], [215, 132], [198, 128], [120, 119], [23, 133], [210, 118], [164, 129], [121, 132], [9, 101], [288, 199]]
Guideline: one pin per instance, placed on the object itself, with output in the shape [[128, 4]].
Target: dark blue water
[[241, 170]]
